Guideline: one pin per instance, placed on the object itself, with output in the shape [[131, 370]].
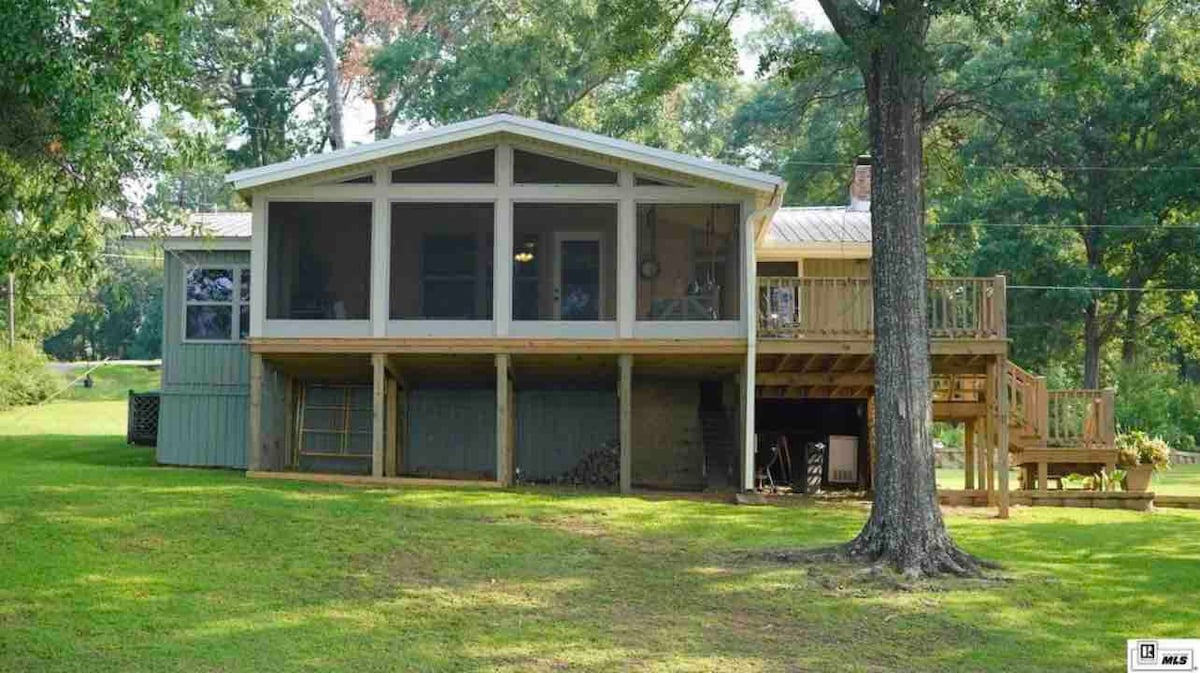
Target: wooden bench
[[1064, 461]]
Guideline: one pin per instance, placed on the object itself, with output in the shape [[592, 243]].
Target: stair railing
[[1028, 404]]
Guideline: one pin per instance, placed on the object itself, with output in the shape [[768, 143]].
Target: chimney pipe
[[860, 185]]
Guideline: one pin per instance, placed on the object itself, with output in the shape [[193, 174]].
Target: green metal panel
[[203, 415], [451, 432], [557, 427]]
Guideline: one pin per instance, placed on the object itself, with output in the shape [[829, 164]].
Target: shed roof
[[510, 124], [826, 224]]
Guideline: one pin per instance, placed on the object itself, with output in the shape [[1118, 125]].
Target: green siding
[[557, 427], [205, 386], [451, 432]]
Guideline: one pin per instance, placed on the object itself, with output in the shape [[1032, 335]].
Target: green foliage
[[24, 376], [1154, 401], [1138, 448], [121, 319]]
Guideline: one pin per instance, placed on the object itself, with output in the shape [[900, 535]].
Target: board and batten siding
[[205, 386], [451, 432], [556, 428]]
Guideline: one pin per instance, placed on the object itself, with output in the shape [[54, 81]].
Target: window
[[688, 262], [216, 303], [530, 168], [475, 168], [564, 261], [319, 261], [441, 266]]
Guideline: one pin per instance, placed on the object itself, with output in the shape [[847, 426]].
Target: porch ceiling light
[[523, 257]]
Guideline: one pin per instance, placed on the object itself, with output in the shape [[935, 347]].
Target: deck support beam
[[378, 412], [749, 386], [1001, 422], [254, 438], [625, 404], [969, 455], [504, 420], [390, 466]]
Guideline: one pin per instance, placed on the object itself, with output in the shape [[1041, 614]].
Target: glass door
[[578, 283]]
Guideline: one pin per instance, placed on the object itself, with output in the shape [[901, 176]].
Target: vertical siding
[[451, 431], [556, 428], [203, 416]]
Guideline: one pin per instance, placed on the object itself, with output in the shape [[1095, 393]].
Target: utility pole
[[12, 310]]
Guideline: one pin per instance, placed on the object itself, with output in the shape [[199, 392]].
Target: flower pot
[[1137, 478]]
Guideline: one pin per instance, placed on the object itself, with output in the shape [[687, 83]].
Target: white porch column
[[258, 265], [749, 315], [381, 259], [626, 257], [502, 265]]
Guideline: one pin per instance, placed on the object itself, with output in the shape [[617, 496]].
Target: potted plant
[[1141, 455]]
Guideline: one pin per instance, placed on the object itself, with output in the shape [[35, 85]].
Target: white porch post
[[381, 258], [626, 257], [750, 319], [258, 265], [502, 266]]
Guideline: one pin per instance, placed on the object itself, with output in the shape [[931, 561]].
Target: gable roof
[[511, 124]]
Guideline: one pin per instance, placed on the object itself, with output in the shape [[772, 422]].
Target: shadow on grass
[[180, 569]]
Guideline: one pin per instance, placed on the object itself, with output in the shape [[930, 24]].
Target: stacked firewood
[[599, 467]]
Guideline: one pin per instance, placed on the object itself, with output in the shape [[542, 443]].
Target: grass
[[1179, 480], [111, 382], [108, 563]]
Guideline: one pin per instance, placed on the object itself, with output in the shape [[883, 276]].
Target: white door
[[578, 275]]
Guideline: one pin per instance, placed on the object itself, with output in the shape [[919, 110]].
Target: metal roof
[[826, 224], [518, 126]]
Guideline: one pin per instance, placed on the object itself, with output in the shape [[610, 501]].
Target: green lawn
[[1179, 480], [111, 382], [108, 563]]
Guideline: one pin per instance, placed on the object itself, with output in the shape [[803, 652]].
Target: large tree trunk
[[905, 529], [333, 74]]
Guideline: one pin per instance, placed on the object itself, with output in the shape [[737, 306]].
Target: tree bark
[[333, 74], [905, 528]]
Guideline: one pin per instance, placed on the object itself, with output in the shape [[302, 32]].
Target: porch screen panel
[[564, 261], [688, 262], [319, 261], [441, 261]]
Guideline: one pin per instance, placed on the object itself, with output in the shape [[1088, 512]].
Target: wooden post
[[1108, 420], [1002, 434], [625, 402], [254, 440], [870, 441], [969, 454], [378, 412], [979, 433], [504, 438], [393, 429], [289, 424]]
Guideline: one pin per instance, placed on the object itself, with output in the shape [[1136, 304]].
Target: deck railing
[[959, 308], [1082, 418]]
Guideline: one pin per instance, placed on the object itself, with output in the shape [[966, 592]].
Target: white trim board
[[505, 124]]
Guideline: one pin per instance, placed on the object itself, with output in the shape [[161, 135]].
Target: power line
[[1099, 288], [1019, 167], [1073, 227]]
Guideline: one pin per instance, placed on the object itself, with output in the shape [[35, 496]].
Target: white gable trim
[[504, 123]]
